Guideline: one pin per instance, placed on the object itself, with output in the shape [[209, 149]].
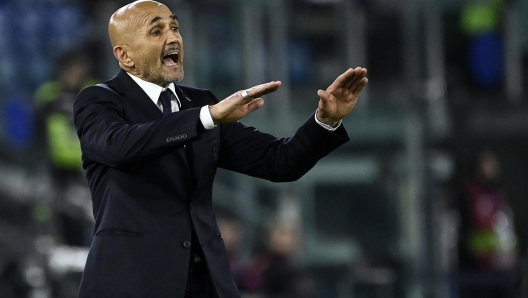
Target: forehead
[[147, 13]]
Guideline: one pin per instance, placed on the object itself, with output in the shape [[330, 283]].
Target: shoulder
[[104, 88], [201, 95], [113, 88], [193, 91], [100, 93]]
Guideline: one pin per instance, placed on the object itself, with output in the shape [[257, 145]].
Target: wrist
[[328, 121], [328, 127], [212, 111]]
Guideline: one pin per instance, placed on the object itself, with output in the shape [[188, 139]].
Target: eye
[[155, 32], [175, 29]]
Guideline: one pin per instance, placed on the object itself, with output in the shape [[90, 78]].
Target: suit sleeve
[[108, 139], [249, 151]]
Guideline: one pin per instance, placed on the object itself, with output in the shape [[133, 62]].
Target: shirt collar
[[152, 90]]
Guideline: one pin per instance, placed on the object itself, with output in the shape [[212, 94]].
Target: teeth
[[171, 53]]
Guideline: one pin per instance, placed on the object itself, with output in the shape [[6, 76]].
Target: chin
[[174, 77], [180, 77]]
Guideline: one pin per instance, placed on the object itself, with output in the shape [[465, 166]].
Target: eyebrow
[[157, 19]]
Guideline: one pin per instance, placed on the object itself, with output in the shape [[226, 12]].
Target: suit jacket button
[[187, 244]]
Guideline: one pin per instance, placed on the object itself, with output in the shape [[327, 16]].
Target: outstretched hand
[[235, 107], [340, 98]]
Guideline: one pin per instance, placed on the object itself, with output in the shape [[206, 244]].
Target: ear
[[121, 54]]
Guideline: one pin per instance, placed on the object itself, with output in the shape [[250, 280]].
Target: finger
[[263, 89], [323, 95], [325, 99], [359, 73], [360, 87], [246, 98], [358, 79], [351, 79], [255, 105], [259, 86], [342, 79]]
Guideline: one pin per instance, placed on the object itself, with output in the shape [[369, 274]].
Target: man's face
[[156, 45]]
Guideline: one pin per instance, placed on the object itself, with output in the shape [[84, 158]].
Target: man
[[151, 149]]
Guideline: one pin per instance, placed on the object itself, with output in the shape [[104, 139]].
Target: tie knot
[[166, 97]]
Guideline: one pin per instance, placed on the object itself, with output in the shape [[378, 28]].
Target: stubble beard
[[146, 72], [167, 79]]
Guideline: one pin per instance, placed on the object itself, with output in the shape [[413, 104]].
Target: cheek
[[145, 58], [182, 50]]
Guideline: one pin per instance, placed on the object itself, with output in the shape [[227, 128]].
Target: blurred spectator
[[273, 273], [489, 240], [480, 22], [54, 101], [31, 33]]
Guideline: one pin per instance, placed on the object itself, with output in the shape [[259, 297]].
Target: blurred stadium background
[[384, 216]]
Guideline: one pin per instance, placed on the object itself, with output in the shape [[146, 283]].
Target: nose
[[174, 37]]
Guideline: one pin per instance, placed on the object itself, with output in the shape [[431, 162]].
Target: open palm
[[341, 97]]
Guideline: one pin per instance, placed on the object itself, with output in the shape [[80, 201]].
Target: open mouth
[[171, 58]]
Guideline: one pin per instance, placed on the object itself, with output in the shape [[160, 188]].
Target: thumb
[[324, 98], [323, 95]]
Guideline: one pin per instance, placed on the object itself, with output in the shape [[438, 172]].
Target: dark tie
[[166, 97]]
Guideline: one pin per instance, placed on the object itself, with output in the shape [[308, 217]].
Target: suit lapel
[[135, 95], [186, 102]]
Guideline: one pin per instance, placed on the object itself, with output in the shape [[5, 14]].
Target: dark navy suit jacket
[[147, 195]]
